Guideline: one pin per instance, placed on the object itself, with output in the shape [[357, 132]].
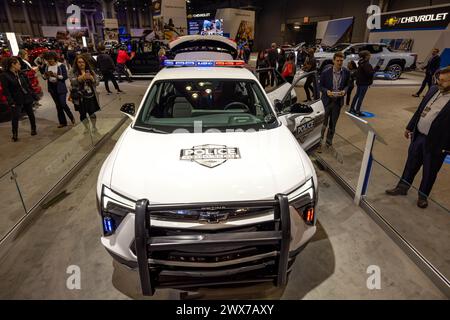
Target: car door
[[376, 56], [303, 118], [274, 84]]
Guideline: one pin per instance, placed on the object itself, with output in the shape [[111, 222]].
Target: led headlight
[[113, 208], [303, 200]]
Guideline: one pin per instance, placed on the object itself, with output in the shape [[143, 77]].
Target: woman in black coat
[[18, 93]]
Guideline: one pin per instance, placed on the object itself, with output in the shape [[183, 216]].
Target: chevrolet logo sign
[[212, 216], [392, 21]]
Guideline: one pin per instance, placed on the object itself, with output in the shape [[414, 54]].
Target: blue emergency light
[[203, 63], [108, 225]]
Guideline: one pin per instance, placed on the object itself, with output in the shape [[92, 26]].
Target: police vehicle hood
[[166, 168]]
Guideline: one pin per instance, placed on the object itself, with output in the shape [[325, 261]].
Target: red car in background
[[5, 112]]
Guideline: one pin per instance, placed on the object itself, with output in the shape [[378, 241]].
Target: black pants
[[419, 157], [272, 77], [61, 107], [122, 72], [309, 87], [357, 101], [332, 112], [109, 76], [427, 81], [264, 79], [289, 79], [349, 95], [16, 111]]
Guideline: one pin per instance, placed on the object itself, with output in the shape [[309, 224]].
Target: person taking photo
[[83, 92]]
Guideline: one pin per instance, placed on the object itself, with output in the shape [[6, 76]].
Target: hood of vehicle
[[262, 164]]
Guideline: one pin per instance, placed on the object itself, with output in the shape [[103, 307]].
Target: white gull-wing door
[[303, 118], [203, 47]]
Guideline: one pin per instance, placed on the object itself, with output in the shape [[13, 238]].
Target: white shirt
[[431, 110], [53, 69]]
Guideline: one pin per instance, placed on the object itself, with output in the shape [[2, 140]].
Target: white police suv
[[208, 185]]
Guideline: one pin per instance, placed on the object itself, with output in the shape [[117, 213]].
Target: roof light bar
[[203, 63]]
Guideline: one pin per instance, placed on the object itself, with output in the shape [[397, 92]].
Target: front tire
[[395, 70]]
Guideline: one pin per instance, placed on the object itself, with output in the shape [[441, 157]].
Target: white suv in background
[[394, 62]]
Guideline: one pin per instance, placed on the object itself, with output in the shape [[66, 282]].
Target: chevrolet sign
[[433, 18], [424, 18]]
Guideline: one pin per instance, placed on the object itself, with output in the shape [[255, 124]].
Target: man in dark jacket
[[272, 57], [430, 69], [310, 64], [430, 143], [18, 93], [106, 66], [364, 78], [333, 85]]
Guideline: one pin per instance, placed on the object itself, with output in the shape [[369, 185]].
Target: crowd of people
[[427, 130], [21, 91]]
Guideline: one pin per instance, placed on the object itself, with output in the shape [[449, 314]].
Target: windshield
[[195, 104], [338, 47]]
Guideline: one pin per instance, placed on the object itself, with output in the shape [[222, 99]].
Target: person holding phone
[[333, 85], [56, 75], [83, 92]]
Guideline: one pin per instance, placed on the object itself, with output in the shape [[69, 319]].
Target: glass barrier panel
[[344, 158], [40, 173], [109, 115], [428, 230], [11, 207]]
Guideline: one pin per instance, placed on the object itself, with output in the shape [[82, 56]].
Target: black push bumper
[[273, 265]]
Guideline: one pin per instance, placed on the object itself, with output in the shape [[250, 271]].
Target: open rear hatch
[[190, 46]]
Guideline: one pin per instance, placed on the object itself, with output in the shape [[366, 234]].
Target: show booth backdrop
[[205, 23], [238, 24], [418, 30], [169, 18], [331, 32], [110, 30]]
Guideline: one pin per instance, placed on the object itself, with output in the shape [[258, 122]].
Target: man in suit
[[333, 84], [430, 69], [429, 130]]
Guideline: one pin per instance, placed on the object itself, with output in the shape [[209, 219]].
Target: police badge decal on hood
[[210, 155]]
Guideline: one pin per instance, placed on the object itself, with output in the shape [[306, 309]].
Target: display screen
[[205, 27]]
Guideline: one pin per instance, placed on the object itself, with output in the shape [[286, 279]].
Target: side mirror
[[129, 109], [297, 108], [278, 105]]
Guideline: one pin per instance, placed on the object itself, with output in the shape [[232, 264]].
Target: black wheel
[[324, 65], [395, 70]]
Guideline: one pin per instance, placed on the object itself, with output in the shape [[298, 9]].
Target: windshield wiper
[[152, 130]]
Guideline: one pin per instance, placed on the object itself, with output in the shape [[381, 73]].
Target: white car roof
[[170, 73]]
